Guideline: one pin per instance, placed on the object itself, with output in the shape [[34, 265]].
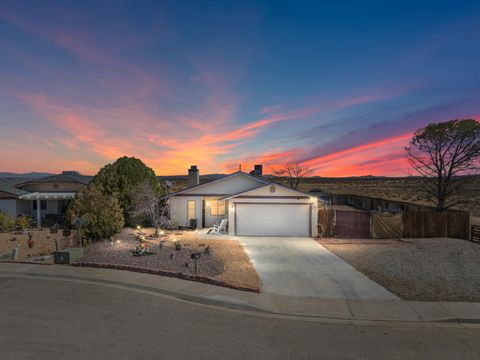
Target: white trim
[[262, 186], [48, 196]]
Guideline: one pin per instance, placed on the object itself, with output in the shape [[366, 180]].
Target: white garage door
[[273, 219]]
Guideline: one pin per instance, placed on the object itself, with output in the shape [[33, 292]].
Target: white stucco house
[[253, 206]]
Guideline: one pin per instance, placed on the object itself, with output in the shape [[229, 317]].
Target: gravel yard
[[228, 263], [43, 244], [417, 269]]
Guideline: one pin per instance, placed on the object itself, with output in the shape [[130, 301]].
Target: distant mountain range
[[30, 175]]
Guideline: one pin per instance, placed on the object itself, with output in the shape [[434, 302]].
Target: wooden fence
[[352, 224], [325, 222], [427, 224], [475, 233], [416, 224]]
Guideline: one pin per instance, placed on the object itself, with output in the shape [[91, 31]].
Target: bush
[[7, 222], [95, 214], [23, 221]]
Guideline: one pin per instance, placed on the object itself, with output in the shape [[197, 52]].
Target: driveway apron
[[295, 266]]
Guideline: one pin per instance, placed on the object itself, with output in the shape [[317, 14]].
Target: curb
[[24, 262], [235, 304]]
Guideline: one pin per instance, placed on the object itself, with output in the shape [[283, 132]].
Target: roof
[[60, 178], [13, 185], [8, 185], [219, 179], [265, 185]]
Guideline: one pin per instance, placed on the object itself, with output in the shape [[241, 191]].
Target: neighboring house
[[38, 198], [253, 206]]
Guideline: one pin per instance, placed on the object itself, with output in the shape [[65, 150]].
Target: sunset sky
[[337, 86]]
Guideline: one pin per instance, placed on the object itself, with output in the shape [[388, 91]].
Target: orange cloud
[[168, 144]]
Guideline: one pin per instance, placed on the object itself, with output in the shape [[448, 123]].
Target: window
[[217, 207], [43, 205], [191, 209]]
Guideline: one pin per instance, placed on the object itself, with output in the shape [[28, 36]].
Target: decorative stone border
[[198, 278]]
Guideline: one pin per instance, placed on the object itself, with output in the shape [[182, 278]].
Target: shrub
[[23, 221], [7, 222], [95, 214]]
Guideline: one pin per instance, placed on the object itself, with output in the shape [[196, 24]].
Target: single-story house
[[253, 205], [42, 197]]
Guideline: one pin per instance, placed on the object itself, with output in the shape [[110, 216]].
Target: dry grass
[[418, 269], [44, 243], [404, 189], [228, 263]]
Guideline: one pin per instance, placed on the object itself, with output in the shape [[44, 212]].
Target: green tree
[[120, 178], [444, 154], [100, 215]]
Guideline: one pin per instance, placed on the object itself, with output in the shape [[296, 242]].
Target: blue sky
[[339, 87]]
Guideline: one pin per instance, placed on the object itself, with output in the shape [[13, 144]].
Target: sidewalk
[[349, 310]]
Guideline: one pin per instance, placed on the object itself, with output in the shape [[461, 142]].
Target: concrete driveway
[[302, 267]]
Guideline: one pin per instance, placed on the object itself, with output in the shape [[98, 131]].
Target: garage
[[272, 219]]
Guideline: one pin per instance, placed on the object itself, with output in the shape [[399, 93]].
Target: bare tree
[[292, 172], [444, 154], [147, 201]]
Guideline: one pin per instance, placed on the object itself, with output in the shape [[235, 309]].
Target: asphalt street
[[58, 319]]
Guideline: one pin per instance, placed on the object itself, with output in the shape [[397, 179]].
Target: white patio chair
[[220, 229]]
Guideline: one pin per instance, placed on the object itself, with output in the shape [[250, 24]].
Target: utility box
[[67, 256]]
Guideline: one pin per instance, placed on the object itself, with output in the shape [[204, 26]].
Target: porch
[[206, 210], [42, 206]]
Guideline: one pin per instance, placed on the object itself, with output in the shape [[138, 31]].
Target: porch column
[[39, 216]]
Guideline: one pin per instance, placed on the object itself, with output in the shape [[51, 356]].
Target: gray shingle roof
[[62, 178], [8, 185]]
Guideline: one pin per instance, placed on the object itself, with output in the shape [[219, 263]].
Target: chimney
[[193, 176], [257, 170]]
